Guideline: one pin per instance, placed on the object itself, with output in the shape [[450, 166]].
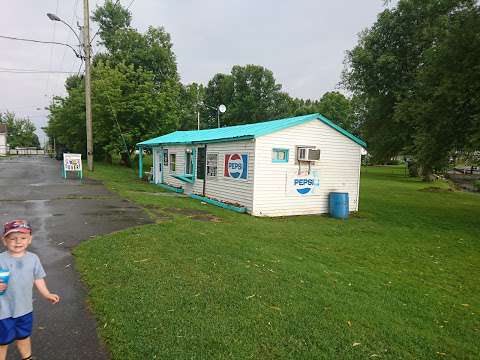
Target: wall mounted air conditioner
[[308, 154]]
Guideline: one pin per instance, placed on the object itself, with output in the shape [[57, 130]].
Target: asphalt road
[[62, 214]]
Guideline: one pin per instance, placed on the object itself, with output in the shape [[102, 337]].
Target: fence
[[26, 151]]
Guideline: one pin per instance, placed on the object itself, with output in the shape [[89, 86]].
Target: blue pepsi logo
[[303, 185]]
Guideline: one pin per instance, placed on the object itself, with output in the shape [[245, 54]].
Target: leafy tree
[[250, 94], [413, 76], [136, 92], [191, 100], [20, 131]]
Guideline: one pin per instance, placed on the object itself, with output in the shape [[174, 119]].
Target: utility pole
[[88, 101]]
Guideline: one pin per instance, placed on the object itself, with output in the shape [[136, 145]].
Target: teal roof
[[241, 132]]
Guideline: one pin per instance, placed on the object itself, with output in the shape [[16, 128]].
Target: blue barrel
[[339, 205]]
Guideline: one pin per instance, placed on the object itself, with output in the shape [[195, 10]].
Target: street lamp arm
[[78, 37], [41, 42]]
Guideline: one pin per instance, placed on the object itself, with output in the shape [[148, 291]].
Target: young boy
[[16, 301]]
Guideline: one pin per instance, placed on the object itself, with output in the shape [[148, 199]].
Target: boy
[[16, 301]]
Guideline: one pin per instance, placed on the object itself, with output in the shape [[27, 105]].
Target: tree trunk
[[427, 173]]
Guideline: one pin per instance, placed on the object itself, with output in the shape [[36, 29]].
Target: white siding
[[228, 189], [167, 174], [338, 170], [220, 187]]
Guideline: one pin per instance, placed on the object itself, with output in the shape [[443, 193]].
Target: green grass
[[400, 280]]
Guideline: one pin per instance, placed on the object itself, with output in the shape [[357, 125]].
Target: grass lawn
[[400, 280]]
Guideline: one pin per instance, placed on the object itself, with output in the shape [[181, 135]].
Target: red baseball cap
[[16, 226]]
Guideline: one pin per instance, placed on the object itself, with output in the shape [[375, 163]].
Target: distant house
[[3, 140], [274, 168]]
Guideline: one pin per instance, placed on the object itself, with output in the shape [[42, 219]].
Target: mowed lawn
[[400, 280]]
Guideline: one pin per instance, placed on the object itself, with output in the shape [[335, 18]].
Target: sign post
[[72, 162]]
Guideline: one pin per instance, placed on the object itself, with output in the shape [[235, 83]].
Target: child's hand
[[53, 298], [3, 286]]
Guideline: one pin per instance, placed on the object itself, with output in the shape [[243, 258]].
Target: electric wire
[[39, 41], [32, 71]]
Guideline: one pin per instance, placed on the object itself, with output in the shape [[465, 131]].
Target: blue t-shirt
[[17, 299]]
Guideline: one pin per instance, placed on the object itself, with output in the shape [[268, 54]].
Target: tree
[[406, 74], [336, 107], [250, 93], [136, 92], [20, 131]]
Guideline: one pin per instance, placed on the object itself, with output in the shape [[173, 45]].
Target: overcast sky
[[302, 41]]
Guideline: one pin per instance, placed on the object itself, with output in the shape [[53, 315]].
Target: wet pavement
[[62, 213]]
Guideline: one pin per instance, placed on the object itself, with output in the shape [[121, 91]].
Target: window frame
[[275, 151], [172, 162], [165, 157], [188, 163], [207, 166]]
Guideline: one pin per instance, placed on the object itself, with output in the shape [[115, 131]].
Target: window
[[280, 155], [188, 163], [173, 162], [165, 157], [212, 164], [201, 163]]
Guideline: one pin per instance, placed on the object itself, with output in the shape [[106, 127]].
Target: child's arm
[[42, 288]]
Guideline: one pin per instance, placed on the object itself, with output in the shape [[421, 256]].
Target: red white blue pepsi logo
[[236, 166], [304, 186]]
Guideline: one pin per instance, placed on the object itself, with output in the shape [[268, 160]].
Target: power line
[[40, 42], [36, 72]]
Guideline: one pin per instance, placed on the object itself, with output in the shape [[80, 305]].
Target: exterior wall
[[3, 144], [338, 170], [225, 189], [168, 179]]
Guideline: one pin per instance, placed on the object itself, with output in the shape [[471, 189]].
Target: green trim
[[240, 138], [219, 203], [242, 132], [194, 164], [171, 188], [140, 162], [185, 177], [342, 131], [286, 155]]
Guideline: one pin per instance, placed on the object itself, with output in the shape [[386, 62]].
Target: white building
[[3, 140], [274, 168]]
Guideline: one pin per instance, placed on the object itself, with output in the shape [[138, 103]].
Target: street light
[[220, 109], [54, 17], [88, 101]]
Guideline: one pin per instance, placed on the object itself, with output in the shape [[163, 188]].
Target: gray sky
[[303, 42]]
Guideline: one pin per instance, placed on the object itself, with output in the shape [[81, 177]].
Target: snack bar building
[[274, 168]]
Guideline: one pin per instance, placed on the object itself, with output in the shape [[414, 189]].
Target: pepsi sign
[[236, 166], [303, 185]]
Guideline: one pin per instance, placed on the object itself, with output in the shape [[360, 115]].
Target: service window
[[280, 155], [201, 163], [173, 162], [212, 164], [165, 157], [188, 163]]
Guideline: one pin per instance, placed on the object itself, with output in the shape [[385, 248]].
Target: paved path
[[62, 213]]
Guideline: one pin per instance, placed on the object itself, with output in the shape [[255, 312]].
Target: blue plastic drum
[[339, 205]]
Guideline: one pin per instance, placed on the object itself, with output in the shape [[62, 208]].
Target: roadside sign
[[72, 162]]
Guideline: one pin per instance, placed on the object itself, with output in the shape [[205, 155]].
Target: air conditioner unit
[[308, 154]]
